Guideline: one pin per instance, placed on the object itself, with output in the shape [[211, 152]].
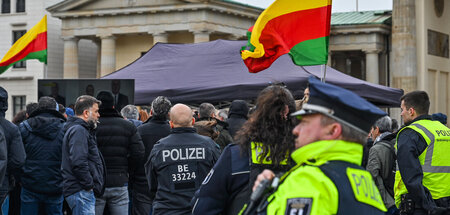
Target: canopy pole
[[323, 71]]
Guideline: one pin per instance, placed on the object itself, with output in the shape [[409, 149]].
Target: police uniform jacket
[[326, 180], [233, 177], [228, 178], [410, 145], [176, 167]]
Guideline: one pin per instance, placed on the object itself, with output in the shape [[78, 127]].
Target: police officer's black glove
[[439, 211]]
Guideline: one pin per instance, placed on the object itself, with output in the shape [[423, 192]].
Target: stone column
[[372, 66], [108, 55], [201, 36], [160, 37], [98, 43], [404, 60], [71, 57], [13, 6]]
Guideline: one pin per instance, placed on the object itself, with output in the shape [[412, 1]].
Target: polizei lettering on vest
[[184, 154], [443, 133]]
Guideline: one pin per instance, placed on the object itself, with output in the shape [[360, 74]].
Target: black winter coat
[[237, 116], [42, 136], [120, 145], [83, 167], [3, 154], [16, 152], [224, 138], [16, 155], [151, 132]]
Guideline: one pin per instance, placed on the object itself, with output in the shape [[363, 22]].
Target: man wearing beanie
[[122, 148]]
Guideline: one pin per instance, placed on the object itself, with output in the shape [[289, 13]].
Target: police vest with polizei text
[[434, 159], [358, 193]]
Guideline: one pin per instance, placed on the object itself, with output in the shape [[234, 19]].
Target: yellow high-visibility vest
[[434, 160]]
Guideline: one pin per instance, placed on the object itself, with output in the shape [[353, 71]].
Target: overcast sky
[[338, 5]]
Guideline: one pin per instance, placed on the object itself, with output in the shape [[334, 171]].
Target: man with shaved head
[[178, 164]]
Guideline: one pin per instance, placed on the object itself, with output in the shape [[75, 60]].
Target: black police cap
[[341, 105]]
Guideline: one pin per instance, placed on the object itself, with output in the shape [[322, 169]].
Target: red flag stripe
[[38, 44], [284, 32]]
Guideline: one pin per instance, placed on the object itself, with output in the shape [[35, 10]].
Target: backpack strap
[[389, 146], [389, 183]]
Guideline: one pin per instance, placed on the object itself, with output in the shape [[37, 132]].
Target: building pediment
[[79, 8], [67, 5], [89, 5]]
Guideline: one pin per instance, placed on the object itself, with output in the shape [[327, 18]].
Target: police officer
[[263, 142], [422, 178], [328, 178], [178, 164]]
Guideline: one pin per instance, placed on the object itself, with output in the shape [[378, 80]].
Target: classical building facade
[[125, 29], [359, 44], [16, 17], [420, 49]]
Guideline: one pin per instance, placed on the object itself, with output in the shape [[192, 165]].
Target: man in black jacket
[[207, 112], [152, 131], [118, 141], [42, 135], [15, 150], [120, 100], [178, 164], [237, 116], [83, 168]]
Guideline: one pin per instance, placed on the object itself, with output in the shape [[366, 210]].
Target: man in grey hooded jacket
[[382, 160]]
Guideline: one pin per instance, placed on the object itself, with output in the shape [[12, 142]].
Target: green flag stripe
[[39, 55], [310, 52]]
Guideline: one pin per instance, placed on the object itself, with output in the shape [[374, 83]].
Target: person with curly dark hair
[[264, 141]]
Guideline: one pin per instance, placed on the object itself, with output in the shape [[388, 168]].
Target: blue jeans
[[30, 202], [82, 202], [116, 198], [5, 205], [141, 203]]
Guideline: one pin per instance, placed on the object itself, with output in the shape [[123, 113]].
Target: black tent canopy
[[214, 72]]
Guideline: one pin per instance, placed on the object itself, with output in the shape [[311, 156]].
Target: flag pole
[[45, 71], [323, 71]]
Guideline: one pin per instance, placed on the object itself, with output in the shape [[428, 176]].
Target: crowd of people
[[330, 153]]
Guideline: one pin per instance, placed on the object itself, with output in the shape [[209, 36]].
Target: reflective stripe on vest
[[435, 164], [426, 166], [257, 151]]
